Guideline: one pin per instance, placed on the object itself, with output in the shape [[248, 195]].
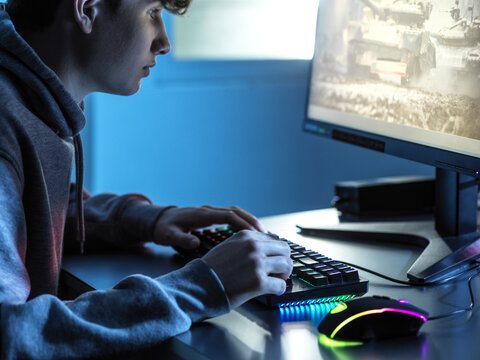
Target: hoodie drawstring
[[79, 190]]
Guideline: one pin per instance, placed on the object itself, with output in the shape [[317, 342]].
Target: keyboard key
[[297, 264], [334, 277], [350, 275], [319, 279], [326, 270], [329, 261], [297, 270], [319, 267], [297, 248], [335, 264], [319, 257], [297, 256], [309, 253], [275, 236], [307, 261], [302, 272], [308, 276]]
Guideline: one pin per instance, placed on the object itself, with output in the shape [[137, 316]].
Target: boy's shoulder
[[10, 124], [16, 118]]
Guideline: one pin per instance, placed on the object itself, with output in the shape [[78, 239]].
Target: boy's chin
[[127, 91]]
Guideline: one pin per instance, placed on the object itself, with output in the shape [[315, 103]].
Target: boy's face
[[123, 45]]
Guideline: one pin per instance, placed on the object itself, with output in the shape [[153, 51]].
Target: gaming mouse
[[371, 318]]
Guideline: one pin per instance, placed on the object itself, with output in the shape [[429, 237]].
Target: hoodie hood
[[47, 98], [50, 101]]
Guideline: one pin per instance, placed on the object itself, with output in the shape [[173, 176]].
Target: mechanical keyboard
[[315, 278]]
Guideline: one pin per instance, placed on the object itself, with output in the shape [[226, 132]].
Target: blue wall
[[222, 133]]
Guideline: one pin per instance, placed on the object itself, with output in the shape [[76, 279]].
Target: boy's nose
[[161, 46]]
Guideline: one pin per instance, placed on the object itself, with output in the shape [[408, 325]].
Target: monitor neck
[[456, 205]]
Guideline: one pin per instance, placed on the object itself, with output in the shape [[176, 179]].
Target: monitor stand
[[451, 241]]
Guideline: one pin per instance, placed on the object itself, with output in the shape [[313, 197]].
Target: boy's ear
[[85, 13]]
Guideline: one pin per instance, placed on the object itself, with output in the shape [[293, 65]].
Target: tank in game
[[390, 40], [462, 38], [472, 60], [465, 31], [406, 62]]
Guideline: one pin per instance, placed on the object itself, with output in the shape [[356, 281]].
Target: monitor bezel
[[428, 155]]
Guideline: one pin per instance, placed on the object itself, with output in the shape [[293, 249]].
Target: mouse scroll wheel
[[381, 297]]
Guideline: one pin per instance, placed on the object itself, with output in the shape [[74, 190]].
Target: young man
[[52, 54]]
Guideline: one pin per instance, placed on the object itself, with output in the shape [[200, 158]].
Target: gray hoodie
[[39, 133]]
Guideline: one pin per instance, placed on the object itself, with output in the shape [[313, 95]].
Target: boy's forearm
[[137, 313], [113, 221]]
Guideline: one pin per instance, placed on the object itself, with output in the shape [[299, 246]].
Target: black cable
[[461, 311], [403, 282], [456, 312]]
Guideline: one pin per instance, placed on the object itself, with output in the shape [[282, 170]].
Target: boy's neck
[[53, 46]]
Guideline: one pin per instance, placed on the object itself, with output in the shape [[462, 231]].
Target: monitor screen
[[400, 77], [403, 77]]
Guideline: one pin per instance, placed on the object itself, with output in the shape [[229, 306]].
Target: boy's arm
[[111, 221], [138, 312]]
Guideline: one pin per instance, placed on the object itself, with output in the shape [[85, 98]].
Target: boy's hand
[[250, 264], [174, 225]]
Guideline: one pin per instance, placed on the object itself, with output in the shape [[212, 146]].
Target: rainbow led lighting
[[376, 311], [314, 313], [339, 308], [331, 343], [313, 310], [336, 299]]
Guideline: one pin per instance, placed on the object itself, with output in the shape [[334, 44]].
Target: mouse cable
[[456, 312], [403, 282], [461, 311]]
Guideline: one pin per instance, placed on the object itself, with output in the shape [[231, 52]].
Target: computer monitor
[[402, 77]]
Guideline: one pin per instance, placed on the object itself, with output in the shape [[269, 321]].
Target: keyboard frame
[[316, 294]]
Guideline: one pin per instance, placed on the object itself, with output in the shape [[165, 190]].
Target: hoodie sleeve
[[138, 312], [112, 221]]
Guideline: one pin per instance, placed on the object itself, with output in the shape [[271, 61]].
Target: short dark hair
[[36, 15]]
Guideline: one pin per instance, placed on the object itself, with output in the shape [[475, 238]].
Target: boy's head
[[96, 45], [36, 15]]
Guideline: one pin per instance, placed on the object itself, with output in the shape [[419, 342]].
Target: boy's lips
[[146, 69]]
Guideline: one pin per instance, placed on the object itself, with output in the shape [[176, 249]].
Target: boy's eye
[[154, 13]]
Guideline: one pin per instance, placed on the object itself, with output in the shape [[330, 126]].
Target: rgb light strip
[[313, 310], [377, 311], [317, 301]]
